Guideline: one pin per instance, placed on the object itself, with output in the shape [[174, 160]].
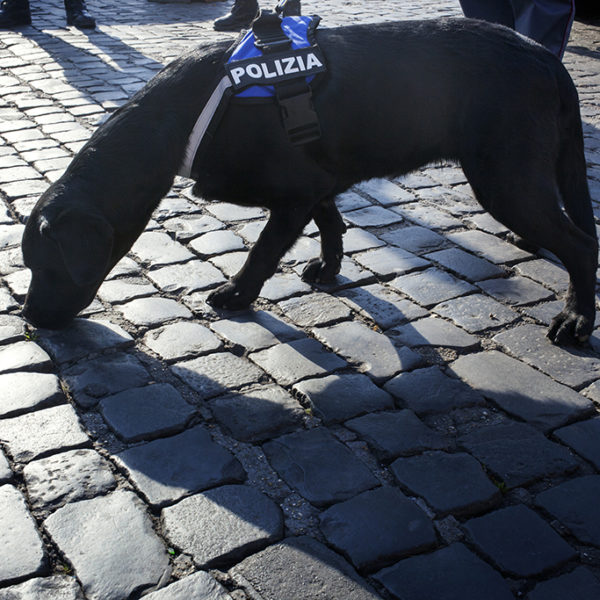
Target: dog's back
[[429, 90], [422, 90]]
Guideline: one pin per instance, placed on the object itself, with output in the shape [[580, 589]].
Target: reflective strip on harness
[[202, 125]]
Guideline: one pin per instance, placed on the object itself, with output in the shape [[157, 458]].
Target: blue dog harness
[[276, 60], [252, 68]]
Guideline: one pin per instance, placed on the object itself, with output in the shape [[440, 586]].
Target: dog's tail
[[571, 169]]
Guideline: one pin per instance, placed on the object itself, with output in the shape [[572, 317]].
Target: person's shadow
[[98, 62]]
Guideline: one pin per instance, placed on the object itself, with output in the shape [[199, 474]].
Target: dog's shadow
[[193, 423], [177, 451], [213, 420]]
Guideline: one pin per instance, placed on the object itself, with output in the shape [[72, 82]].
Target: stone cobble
[[84, 530], [518, 541], [377, 527], [223, 525], [407, 432], [452, 572]]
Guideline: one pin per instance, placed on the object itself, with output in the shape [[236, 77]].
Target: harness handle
[[269, 37], [280, 7]]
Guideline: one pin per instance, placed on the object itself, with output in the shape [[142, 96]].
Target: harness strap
[[298, 113], [294, 96]]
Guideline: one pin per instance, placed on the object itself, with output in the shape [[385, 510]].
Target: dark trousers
[[546, 21]]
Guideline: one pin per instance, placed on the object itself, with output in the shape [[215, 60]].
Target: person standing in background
[[243, 13], [15, 13], [545, 21]]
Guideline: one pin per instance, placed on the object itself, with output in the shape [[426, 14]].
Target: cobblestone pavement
[[407, 434]]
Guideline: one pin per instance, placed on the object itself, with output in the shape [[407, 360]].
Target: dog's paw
[[570, 327], [229, 296], [319, 271], [522, 243]]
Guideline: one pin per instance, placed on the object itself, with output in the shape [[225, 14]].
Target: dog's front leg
[[324, 268], [281, 231]]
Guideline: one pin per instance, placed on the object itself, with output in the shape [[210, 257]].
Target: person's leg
[[495, 11], [545, 21], [290, 8], [241, 15], [14, 13], [78, 15]]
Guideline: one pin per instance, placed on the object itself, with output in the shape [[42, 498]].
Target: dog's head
[[68, 250]]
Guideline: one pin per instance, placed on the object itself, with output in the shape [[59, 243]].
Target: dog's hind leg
[[323, 269], [284, 226], [578, 251], [528, 203], [575, 194]]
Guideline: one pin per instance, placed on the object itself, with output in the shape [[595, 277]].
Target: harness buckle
[[299, 117]]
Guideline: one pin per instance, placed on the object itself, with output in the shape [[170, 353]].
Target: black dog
[[396, 97]]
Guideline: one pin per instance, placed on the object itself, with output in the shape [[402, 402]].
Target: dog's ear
[[85, 243]]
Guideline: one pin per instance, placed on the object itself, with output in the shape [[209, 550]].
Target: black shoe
[[242, 14], [14, 13], [78, 16], [291, 8]]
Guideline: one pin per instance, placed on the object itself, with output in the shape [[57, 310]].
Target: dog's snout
[[51, 303], [45, 319]]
